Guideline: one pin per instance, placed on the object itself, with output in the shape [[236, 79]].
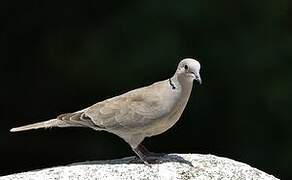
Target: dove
[[137, 114]]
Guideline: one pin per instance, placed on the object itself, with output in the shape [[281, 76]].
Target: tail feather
[[44, 124]]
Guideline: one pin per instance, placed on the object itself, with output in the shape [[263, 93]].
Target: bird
[[137, 114]]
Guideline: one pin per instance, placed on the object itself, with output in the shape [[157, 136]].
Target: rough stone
[[171, 166]]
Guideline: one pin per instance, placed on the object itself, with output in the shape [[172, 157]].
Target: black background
[[62, 56]]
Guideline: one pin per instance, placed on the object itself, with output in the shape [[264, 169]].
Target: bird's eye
[[186, 67]]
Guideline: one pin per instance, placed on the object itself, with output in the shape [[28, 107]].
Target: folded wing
[[134, 110]]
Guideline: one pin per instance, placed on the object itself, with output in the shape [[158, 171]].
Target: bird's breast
[[174, 102]]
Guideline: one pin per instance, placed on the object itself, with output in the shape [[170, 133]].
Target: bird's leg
[[141, 155], [146, 156]]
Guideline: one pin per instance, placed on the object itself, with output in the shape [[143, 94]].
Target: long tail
[[44, 124]]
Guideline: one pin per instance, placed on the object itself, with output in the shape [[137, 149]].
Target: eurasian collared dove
[[140, 113]]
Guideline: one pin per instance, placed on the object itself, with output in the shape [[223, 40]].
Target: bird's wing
[[135, 109]]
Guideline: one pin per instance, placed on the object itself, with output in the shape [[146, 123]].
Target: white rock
[[172, 166]]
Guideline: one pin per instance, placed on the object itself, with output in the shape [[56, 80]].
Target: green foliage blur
[[62, 56]]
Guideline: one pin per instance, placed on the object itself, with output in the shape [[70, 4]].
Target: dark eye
[[186, 67]]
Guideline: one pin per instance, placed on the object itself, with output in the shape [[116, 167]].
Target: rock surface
[[171, 166]]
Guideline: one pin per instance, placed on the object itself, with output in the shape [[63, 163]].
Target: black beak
[[197, 77], [199, 80]]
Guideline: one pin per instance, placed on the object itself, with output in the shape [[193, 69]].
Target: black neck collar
[[171, 84]]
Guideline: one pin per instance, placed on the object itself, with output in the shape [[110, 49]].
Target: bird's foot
[[146, 156], [152, 160], [147, 160], [154, 154], [148, 153]]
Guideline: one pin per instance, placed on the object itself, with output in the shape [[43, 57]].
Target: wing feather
[[131, 110], [136, 109]]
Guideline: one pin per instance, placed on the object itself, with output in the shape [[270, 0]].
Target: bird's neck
[[183, 83], [183, 90]]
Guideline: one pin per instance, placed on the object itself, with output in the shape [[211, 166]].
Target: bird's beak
[[198, 78]]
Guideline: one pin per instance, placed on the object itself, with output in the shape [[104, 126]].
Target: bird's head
[[189, 69]]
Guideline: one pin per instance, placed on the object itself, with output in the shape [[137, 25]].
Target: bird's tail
[[44, 124]]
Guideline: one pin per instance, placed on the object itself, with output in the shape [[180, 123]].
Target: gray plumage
[[140, 113]]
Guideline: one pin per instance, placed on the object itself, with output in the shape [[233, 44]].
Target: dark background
[[62, 56]]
